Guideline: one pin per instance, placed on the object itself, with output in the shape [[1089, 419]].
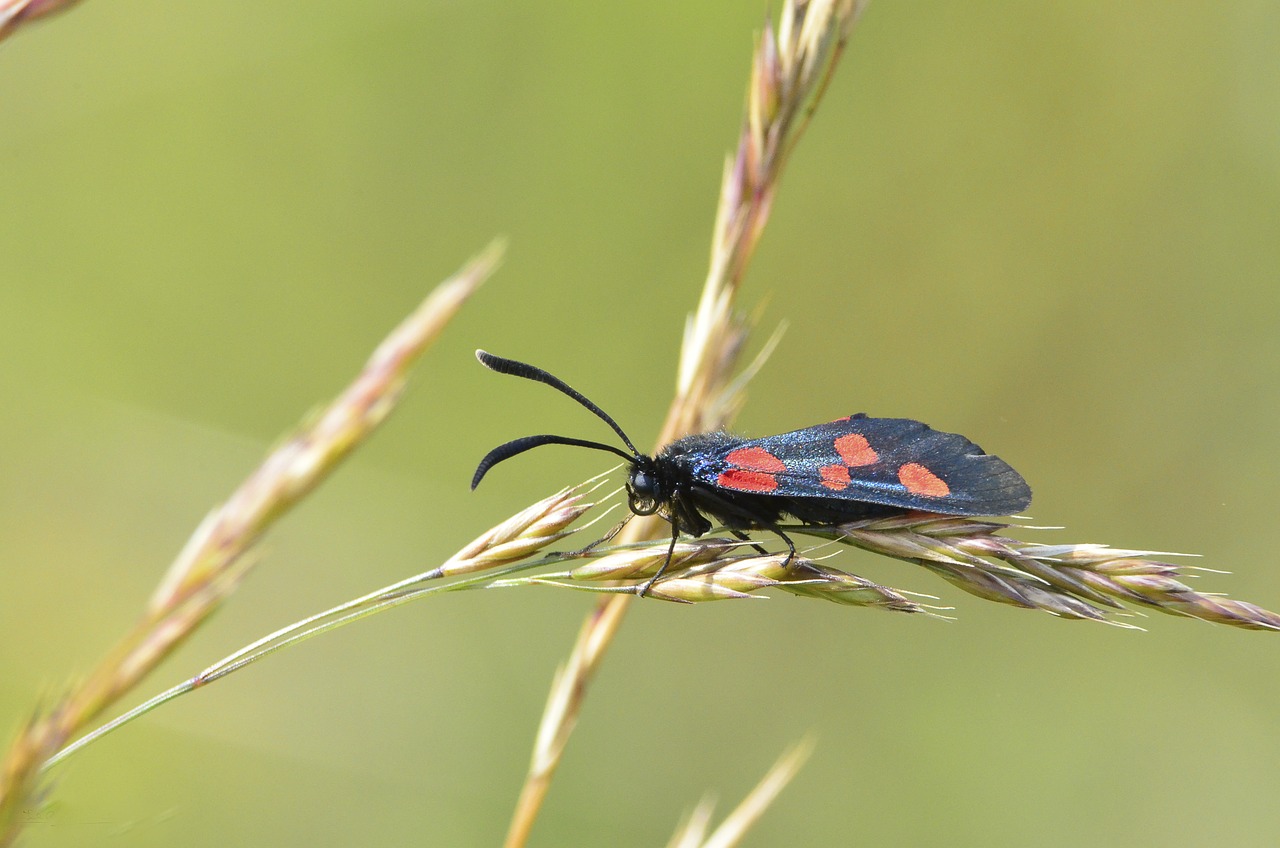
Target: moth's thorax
[[656, 482], [692, 455]]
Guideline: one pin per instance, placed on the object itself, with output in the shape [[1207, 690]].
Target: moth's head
[[645, 491]]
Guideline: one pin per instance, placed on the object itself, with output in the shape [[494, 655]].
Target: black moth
[[846, 470]]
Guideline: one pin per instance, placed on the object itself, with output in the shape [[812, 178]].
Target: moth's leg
[[728, 507], [617, 528], [671, 549], [791, 546], [742, 534], [777, 531]]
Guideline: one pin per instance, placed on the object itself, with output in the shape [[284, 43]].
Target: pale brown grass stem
[[13, 13], [692, 833], [214, 560], [504, 549], [789, 72]]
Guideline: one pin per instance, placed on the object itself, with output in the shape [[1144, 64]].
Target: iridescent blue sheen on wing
[[895, 462]]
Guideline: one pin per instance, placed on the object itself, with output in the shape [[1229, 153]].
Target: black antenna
[[530, 372], [518, 446]]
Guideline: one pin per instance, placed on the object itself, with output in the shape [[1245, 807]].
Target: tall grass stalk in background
[[693, 831], [16, 12], [216, 557], [789, 73]]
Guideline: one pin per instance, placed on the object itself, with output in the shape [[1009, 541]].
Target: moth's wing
[[891, 461]]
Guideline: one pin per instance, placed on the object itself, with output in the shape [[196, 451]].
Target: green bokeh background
[[1052, 227]]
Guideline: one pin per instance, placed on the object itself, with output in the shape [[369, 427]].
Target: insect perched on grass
[[850, 469]]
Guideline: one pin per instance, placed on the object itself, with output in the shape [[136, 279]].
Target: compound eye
[[643, 491], [643, 484]]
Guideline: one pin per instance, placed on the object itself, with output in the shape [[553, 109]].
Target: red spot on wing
[[854, 450], [835, 477], [755, 459], [746, 481], [921, 481]]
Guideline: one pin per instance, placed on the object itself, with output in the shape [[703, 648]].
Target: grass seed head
[[1083, 581], [630, 564], [527, 532]]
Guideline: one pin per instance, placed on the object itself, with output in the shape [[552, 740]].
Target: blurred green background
[[1051, 227]]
